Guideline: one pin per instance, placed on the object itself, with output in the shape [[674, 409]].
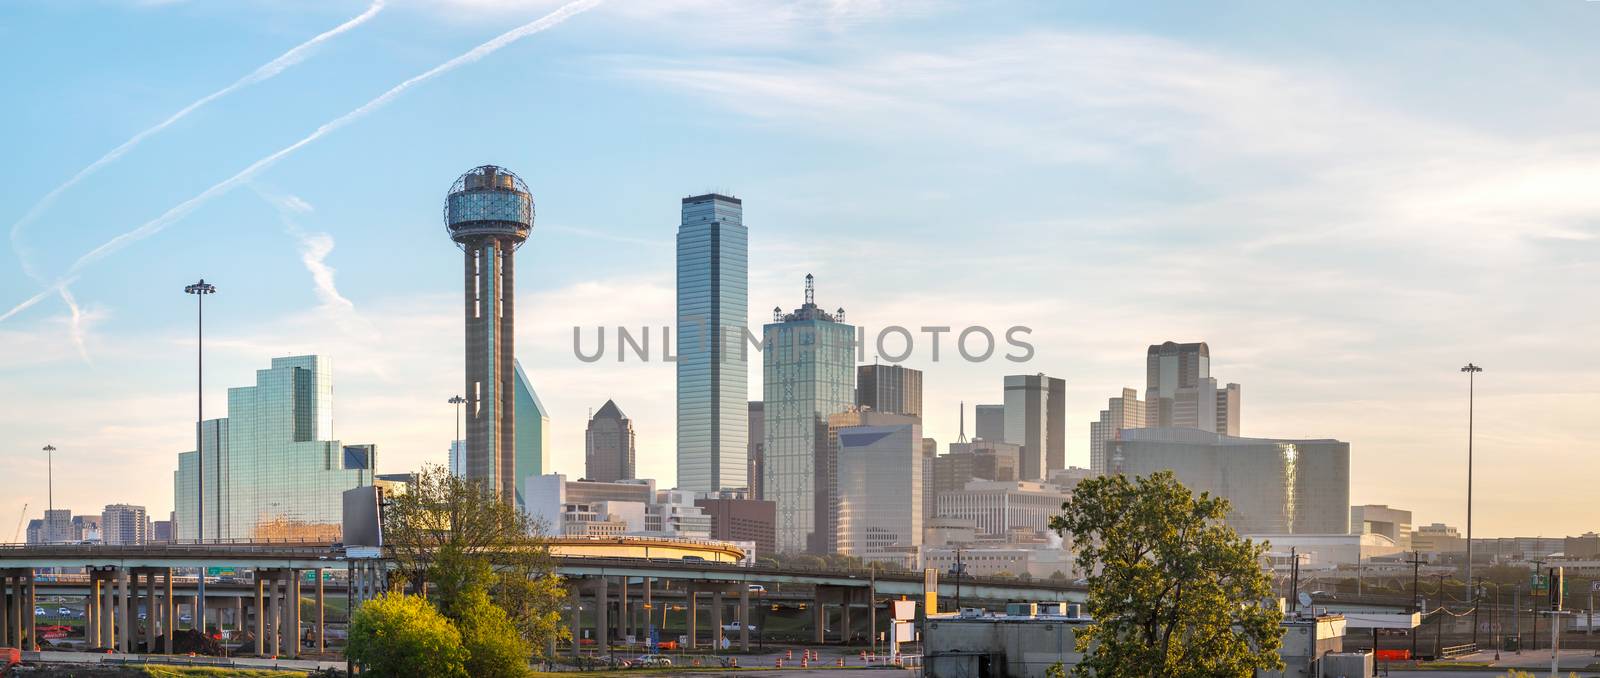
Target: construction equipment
[[16, 537]]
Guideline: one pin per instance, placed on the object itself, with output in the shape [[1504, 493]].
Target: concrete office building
[[57, 526], [270, 471], [35, 532], [989, 422], [1274, 486], [87, 529], [739, 519], [713, 305], [1380, 519], [930, 505], [808, 374], [609, 446], [824, 538], [1181, 393], [161, 531], [532, 434], [489, 214], [1325, 551], [1036, 419], [978, 460], [1039, 561], [125, 525], [1437, 538], [1005, 510], [875, 488], [890, 388], [756, 447], [1122, 413]]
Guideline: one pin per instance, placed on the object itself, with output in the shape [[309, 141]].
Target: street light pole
[[455, 443], [50, 485], [200, 290], [1472, 372]]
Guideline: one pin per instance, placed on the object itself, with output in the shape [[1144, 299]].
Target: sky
[[1348, 202]]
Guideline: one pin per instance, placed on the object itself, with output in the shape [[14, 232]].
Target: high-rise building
[[756, 446], [713, 305], [1181, 393], [1228, 410], [271, 472], [161, 531], [1380, 519], [1273, 486], [458, 458], [87, 529], [125, 524], [1009, 510], [58, 526], [1121, 413], [890, 388], [608, 446], [489, 214], [1036, 417], [35, 531], [989, 422], [532, 432], [874, 489], [809, 373], [734, 517], [978, 460], [930, 452]]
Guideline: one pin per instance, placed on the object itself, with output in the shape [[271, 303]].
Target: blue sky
[[1348, 202]]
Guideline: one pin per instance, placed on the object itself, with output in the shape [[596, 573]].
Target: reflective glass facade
[[269, 472], [880, 489], [808, 374], [713, 302], [532, 433]]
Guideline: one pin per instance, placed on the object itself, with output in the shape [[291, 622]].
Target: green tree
[[1174, 592], [451, 536], [400, 635], [494, 647]]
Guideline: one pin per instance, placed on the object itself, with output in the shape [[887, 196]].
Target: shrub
[[403, 636]]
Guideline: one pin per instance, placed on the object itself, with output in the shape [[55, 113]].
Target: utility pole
[[1533, 601], [1475, 586], [1294, 580], [1416, 570], [1438, 628]]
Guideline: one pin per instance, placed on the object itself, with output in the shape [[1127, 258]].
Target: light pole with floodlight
[[1472, 372], [50, 489], [200, 290]]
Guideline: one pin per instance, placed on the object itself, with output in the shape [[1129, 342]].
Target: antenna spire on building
[[963, 416], [811, 291]]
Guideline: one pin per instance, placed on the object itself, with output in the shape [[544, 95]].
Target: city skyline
[[1295, 239]]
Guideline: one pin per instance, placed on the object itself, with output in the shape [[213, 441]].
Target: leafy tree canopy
[[1174, 592]]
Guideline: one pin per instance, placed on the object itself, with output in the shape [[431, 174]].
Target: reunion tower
[[489, 213]]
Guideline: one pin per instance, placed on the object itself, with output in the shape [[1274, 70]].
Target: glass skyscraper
[[713, 302], [808, 373], [532, 432], [271, 472]]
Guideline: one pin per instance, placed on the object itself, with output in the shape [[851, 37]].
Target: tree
[[451, 536], [400, 635], [494, 647], [1174, 592]]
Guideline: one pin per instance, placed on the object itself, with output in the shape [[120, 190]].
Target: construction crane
[[16, 537]]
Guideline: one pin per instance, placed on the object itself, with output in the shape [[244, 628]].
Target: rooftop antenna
[[963, 437], [811, 292], [777, 314]]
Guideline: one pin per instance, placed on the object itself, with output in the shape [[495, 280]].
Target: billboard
[[358, 457]]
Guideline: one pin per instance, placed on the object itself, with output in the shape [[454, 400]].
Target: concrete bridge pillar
[[819, 617], [744, 617], [150, 613], [649, 609], [844, 615], [693, 596], [32, 640], [128, 618], [602, 619], [322, 620], [574, 606], [716, 621], [292, 590], [261, 612], [5, 609], [169, 605], [625, 620]]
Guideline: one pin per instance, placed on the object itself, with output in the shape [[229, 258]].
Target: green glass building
[[271, 470]]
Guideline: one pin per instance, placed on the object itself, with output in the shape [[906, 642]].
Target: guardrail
[[1455, 651]]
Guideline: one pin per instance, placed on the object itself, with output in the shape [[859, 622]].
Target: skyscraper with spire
[[713, 302]]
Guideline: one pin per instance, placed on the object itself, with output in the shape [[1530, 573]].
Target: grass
[[210, 672]]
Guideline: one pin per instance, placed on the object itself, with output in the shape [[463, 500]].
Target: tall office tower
[[35, 531], [87, 528], [713, 303], [57, 525], [755, 448], [874, 489], [1121, 413], [808, 367], [161, 531], [271, 471], [1179, 391], [989, 422], [489, 214], [532, 434], [458, 458], [1228, 410], [890, 388], [930, 452], [1036, 416], [124, 524], [608, 446]]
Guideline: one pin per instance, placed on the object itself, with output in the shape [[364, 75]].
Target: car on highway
[[650, 660], [63, 611], [757, 588], [38, 612], [734, 627]]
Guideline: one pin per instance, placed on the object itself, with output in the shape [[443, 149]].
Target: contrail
[[265, 71], [155, 225]]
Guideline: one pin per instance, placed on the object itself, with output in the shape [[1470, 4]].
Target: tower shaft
[[490, 343]]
